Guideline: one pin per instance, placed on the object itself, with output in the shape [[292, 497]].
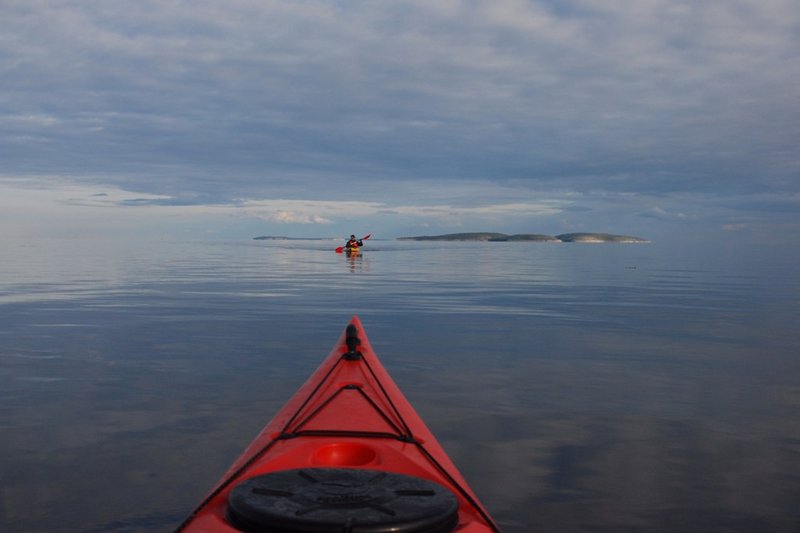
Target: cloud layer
[[211, 103]]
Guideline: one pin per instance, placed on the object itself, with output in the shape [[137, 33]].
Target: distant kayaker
[[354, 243]]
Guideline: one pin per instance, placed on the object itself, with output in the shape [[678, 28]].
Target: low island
[[530, 237], [282, 238], [494, 237]]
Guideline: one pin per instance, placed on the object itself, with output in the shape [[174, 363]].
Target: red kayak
[[352, 249], [346, 454]]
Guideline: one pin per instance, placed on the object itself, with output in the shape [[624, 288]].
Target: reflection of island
[[529, 237]]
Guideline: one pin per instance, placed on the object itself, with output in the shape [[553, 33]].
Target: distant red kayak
[[352, 249], [346, 454]]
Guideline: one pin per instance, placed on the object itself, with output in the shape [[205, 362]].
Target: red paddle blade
[[340, 249]]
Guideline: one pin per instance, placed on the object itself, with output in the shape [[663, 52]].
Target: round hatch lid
[[333, 500]]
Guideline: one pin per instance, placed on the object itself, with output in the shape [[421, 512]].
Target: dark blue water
[[578, 387]]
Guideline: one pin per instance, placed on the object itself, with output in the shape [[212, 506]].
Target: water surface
[[578, 387]]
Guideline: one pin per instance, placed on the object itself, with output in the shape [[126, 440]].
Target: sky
[[654, 118]]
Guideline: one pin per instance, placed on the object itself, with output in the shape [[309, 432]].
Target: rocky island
[[530, 237], [598, 237]]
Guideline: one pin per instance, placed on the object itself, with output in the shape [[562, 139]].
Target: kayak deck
[[347, 452]]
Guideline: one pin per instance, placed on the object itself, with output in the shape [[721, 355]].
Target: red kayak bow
[[341, 249], [347, 453]]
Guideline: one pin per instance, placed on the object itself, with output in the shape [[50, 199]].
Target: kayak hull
[[349, 419]]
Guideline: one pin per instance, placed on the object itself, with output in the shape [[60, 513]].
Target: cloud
[[734, 226], [486, 211], [49, 205], [290, 217], [241, 101], [327, 212], [661, 213], [54, 207], [302, 211]]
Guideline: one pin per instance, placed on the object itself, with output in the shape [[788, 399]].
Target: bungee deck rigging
[[346, 453]]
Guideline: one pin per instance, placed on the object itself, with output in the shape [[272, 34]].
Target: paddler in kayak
[[353, 245]]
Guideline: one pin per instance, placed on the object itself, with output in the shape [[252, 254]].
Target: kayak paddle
[[340, 249]]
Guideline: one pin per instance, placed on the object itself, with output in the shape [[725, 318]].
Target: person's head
[[352, 236]]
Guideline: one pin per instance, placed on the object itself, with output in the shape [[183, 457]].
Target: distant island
[[282, 238], [529, 237], [492, 237]]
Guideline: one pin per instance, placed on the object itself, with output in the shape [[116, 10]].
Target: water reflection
[[356, 262], [574, 392]]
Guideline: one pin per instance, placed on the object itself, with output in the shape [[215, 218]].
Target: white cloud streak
[[50, 205]]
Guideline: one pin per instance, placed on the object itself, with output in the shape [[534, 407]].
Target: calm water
[[578, 387]]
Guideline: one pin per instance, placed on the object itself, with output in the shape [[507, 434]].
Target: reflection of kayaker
[[347, 452], [353, 245]]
